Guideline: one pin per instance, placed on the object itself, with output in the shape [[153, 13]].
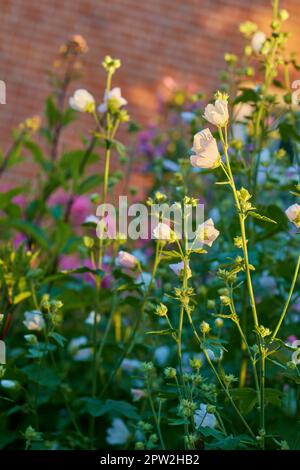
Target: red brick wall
[[182, 38]]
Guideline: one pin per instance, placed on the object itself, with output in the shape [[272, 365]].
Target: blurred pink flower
[[59, 197], [126, 260], [20, 201], [81, 207], [18, 239], [68, 262], [291, 339]]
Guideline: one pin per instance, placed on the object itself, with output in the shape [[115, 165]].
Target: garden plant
[[161, 342]]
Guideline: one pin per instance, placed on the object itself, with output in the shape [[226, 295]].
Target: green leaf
[[38, 156], [68, 116], [120, 148], [246, 397], [42, 375], [123, 408], [89, 183], [210, 432], [93, 406], [170, 255], [22, 296], [51, 111], [161, 332], [275, 213], [97, 408], [178, 422], [199, 251], [288, 131], [60, 340], [273, 396], [71, 272], [33, 231], [247, 95], [261, 217]]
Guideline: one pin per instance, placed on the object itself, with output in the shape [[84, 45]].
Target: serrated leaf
[[199, 251], [97, 408], [170, 255], [161, 332], [273, 396], [33, 231], [42, 375], [61, 340], [247, 95], [246, 397], [89, 183], [258, 216], [178, 422]]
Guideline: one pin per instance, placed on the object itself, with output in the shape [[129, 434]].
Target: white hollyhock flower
[[129, 365], [217, 113], [114, 97], [258, 40], [214, 356], [126, 260], [207, 233], [178, 268], [9, 384], [206, 150], [204, 419], [77, 350], [293, 214], [82, 101], [90, 320], [163, 232], [91, 219], [34, 320], [118, 433]]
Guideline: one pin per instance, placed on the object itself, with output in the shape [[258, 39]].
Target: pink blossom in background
[[72, 261], [291, 339], [20, 201], [59, 197], [68, 262], [81, 207], [18, 239]]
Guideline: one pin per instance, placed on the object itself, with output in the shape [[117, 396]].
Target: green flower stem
[[247, 267], [106, 332], [275, 9], [66, 400], [155, 416], [131, 342], [262, 398], [225, 389], [224, 141], [253, 362], [288, 300], [245, 342], [104, 197]]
